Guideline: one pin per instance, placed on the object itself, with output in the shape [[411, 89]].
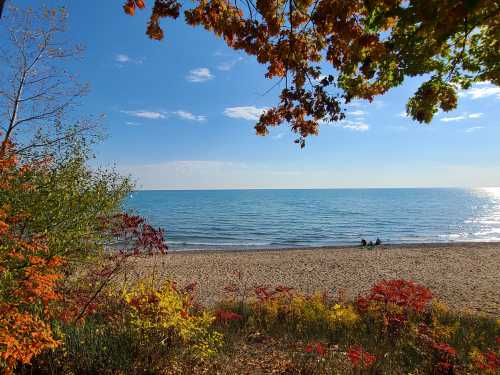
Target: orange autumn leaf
[[26, 300]]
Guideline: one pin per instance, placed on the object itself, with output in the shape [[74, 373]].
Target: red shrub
[[403, 293], [318, 349], [360, 358]]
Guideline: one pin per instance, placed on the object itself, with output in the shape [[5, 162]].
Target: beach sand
[[463, 275]]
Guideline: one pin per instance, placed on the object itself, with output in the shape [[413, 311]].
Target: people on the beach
[[371, 243]]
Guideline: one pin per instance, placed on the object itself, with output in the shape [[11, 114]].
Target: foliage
[[328, 53], [395, 328], [140, 328], [161, 329], [166, 316], [63, 241], [360, 358], [65, 203], [63, 235], [28, 277]]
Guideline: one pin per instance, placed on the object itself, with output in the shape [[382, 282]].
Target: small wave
[[451, 236], [487, 232], [213, 244]]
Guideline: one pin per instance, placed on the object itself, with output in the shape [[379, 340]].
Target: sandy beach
[[464, 275]]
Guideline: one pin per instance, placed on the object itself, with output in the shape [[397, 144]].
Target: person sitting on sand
[[378, 242], [363, 242], [370, 243]]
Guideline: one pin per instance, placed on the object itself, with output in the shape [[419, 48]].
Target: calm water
[[292, 218]]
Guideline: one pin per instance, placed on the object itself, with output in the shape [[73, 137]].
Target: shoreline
[[333, 247], [463, 275]]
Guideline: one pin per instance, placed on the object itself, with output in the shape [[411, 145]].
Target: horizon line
[[321, 188]]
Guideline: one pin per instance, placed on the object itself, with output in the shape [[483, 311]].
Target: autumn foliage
[[40, 285], [28, 281], [360, 358], [396, 327], [325, 53]]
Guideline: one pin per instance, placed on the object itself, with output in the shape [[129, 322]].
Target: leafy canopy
[[369, 47]]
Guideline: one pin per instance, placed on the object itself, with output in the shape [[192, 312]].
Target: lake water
[[246, 219]]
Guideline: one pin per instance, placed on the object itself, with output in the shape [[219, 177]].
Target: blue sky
[[180, 114]]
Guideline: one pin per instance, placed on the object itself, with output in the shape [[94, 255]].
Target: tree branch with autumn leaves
[[334, 52]]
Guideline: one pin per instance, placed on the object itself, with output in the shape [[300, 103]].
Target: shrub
[[166, 316], [360, 358]]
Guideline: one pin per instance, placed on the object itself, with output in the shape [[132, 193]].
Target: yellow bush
[[439, 308], [166, 315], [444, 332], [342, 315], [309, 309]]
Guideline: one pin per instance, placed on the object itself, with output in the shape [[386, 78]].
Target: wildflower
[[443, 331], [343, 315], [318, 349], [360, 358]]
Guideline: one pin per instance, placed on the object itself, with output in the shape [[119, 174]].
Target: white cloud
[[355, 126], [480, 90], [456, 118], [403, 114], [210, 174], [221, 174], [473, 129], [121, 58], [475, 115], [246, 113], [185, 115], [462, 117], [131, 123], [228, 65], [357, 113], [483, 83], [356, 103], [159, 115], [199, 75], [150, 115]]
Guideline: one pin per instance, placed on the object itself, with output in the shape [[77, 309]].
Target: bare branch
[[35, 87]]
